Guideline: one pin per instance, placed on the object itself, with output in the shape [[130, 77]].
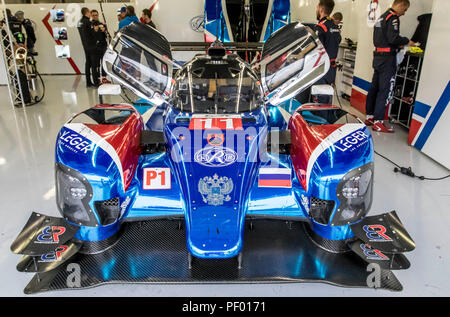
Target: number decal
[[217, 123], [157, 178]]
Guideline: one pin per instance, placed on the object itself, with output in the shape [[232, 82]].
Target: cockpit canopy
[[216, 86], [140, 58]]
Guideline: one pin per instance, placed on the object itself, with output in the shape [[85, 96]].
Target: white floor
[[27, 141]]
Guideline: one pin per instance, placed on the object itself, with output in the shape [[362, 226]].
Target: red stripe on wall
[[358, 101], [50, 30], [414, 128]]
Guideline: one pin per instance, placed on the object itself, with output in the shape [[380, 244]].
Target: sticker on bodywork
[[215, 156], [205, 122], [157, 178], [274, 177], [215, 190]]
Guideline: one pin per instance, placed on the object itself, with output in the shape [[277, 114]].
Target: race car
[[222, 177]]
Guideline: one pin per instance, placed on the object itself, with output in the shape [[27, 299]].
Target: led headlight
[[73, 193], [355, 195]]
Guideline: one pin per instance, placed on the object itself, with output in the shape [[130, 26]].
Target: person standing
[[330, 36], [337, 18], [121, 13], [88, 41], [129, 18], [28, 26], [387, 41], [147, 18], [101, 36]]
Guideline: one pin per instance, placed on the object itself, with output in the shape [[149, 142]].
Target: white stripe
[[97, 140], [286, 115], [274, 170], [359, 89], [417, 118], [147, 115], [328, 142]]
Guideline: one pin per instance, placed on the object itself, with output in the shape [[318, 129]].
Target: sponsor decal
[[222, 122], [215, 156], [305, 203], [75, 143], [371, 253], [275, 177], [50, 234], [376, 233], [54, 255], [124, 205], [215, 190], [352, 141], [215, 139], [157, 178]]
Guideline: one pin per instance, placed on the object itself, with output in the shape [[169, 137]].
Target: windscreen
[[217, 87], [139, 68]]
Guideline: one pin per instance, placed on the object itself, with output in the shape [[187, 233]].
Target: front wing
[[155, 251]]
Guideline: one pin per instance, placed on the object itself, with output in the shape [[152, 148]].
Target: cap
[[121, 10]]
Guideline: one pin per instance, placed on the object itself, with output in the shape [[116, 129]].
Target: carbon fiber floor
[[155, 252]]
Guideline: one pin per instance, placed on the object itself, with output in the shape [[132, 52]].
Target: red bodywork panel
[[125, 139], [305, 139]]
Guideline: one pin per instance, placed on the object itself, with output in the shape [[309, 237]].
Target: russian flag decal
[[274, 177]]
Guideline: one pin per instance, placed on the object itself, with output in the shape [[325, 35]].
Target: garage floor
[[27, 141]]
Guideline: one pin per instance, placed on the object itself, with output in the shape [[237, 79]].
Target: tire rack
[[344, 78], [401, 110], [14, 87]]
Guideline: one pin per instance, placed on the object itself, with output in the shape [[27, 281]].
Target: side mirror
[[108, 89]]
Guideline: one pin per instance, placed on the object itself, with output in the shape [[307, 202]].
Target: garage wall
[[172, 18], [305, 11], [430, 128], [364, 54], [47, 62]]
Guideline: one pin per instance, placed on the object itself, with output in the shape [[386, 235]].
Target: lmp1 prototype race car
[[225, 178]]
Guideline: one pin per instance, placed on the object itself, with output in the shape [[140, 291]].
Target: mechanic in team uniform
[[89, 43], [387, 42], [329, 35]]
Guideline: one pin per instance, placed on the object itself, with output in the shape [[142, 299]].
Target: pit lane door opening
[[293, 58], [140, 58]]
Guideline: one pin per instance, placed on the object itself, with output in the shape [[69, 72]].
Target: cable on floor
[[408, 170]]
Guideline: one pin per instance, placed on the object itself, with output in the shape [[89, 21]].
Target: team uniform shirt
[[87, 34], [330, 36], [386, 34]]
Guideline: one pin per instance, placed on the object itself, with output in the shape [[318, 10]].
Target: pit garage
[[225, 148]]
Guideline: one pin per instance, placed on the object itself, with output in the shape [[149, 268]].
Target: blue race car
[[222, 177]]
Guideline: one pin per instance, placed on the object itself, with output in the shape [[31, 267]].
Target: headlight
[[73, 193], [355, 194]]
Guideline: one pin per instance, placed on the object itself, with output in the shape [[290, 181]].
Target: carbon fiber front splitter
[[155, 252]]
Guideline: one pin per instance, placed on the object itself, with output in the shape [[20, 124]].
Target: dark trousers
[[382, 87], [91, 67], [102, 51]]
